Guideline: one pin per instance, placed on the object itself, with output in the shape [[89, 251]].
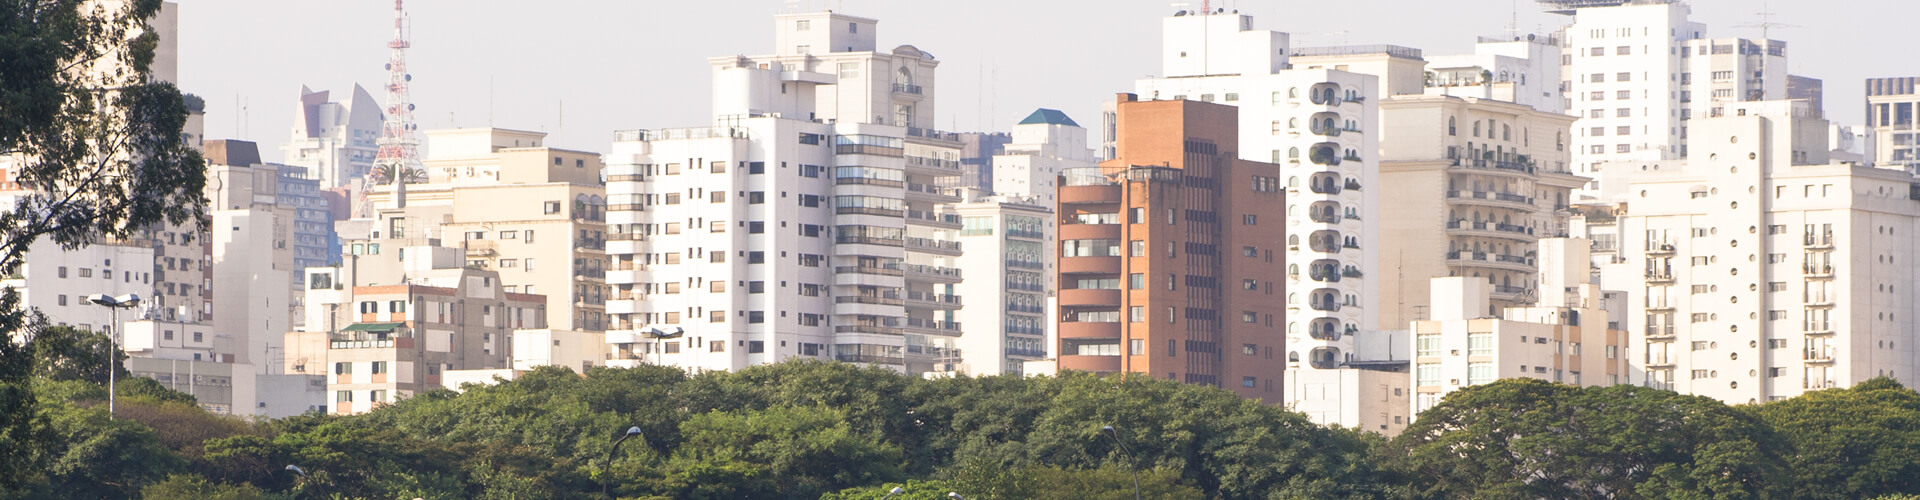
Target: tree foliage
[[1858, 442]]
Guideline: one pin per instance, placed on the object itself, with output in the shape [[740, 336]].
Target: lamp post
[[607, 482], [955, 496], [113, 305], [890, 493], [1134, 468], [296, 470]]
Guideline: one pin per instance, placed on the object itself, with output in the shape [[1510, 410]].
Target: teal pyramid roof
[[1044, 116]]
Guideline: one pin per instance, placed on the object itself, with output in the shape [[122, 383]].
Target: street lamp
[[890, 493], [606, 482], [1115, 434], [113, 305], [955, 496]]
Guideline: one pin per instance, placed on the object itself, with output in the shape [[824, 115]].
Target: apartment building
[[1466, 193], [1523, 70], [389, 324], [1043, 144], [977, 150], [1571, 338], [535, 213], [336, 141], [1891, 127], [1790, 270], [252, 251], [1169, 261], [1316, 121], [1007, 311], [795, 225]]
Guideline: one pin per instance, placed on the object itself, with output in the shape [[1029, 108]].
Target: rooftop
[[1044, 116]]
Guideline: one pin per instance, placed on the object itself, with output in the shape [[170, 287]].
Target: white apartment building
[[1467, 192], [334, 140], [1319, 124], [1007, 311], [1758, 269], [1043, 145], [1892, 133], [1571, 338], [1523, 70], [252, 252], [802, 224]]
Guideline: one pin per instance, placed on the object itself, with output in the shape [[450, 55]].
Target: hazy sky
[[580, 69]]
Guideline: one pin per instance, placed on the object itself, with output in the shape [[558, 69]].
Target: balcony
[[1484, 259], [1661, 360], [1324, 329], [482, 248], [1511, 231], [1090, 265], [870, 328], [930, 245], [1324, 358], [1660, 248], [1026, 353], [1822, 242], [1353, 184], [932, 191], [1326, 154], [1818, 271], [906, 88], [1817, 355], [1324, 123], [1494, 166], [932, 327], [933, 300], [882, 212], [931, 273], [1504, 292], [1822, 301], [873, 270], [940, 166], [889, 299], [1089, 330], [949, 221], [1492, 198], [1659, 305], [1660, 332], [1026, 233], [870, 359], [1818, 328], [1090, 298], [1814, 384], [1324, 183], [1660, 277]]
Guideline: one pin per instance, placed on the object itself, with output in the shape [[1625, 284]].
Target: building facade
[[1007, 311], [1891, 127], [1169, 262], [335, 141]]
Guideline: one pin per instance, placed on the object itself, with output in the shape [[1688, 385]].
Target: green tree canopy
[[1859, 442]]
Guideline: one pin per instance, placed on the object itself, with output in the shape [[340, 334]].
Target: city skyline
[[463, 88]]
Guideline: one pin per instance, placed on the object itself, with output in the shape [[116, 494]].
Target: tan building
[[1168, 261], [534, 213], [1468, 192], [388, 339]]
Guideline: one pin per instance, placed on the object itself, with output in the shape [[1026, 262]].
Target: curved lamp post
[[1115, 434], [114, 305], [955, 496], [296, 470], [607, 482], [890, 493]]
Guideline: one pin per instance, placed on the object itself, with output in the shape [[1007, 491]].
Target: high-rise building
[[1892, 130], [1320, 124], [1791, 273], [1169, 262], [797, 225], [335, 141], [251, 252], [1466, 193], [1523, 70], [1572, 337], [1006, 311], [976, 157]]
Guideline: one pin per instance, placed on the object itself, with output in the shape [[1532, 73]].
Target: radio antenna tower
[[399, 158]]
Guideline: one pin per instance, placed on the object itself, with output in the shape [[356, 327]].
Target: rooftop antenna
[[1766, 24]]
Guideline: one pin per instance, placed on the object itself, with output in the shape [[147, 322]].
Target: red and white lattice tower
[[399, 150]]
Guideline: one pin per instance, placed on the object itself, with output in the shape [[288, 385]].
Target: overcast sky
[[580, 69]]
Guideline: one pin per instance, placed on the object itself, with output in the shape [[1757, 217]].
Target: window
[[1249, 220], [379, 367], [1426, 345], [1136, 347], [343, 368], [1427, 374], [1479, 343], [1622, 50], [344, 396], [1247, 382], [1136, 314], [1479, 373], [1136, 281]]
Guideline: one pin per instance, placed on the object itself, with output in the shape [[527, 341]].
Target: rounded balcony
[[1089, 231], [1324, 183], [1090, 298], [1324, 329], [1324, 358], [1090, 194], [1325, 153], [1089, 330], [1324, 271], [1324, 212], [1325, 123], [1090, 265], [1324, 241], [1324, 299], [1324, 93]]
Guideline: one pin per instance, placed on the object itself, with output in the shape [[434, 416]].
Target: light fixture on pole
[[607, 481], [1134, 467], [113, 305], [955, 496], [890, 493]]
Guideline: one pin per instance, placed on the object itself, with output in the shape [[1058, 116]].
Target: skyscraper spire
[[399, 156]]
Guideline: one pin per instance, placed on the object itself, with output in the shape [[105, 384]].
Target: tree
[[100, 151], [1859, 442], [385, 175], [806, 451], [188, 487], [64, 353], [1528, 438]]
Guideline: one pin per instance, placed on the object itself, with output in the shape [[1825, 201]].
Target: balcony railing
[[1026, 233], [883, 299], [1817, 384], [934, 298], [873, 270], [932, 189], [1660, 331], [906, 88], [1818, 354], [934, 271], [1822, 241], [933, 216], [1818, 270], [933, 244], [1027, 353]]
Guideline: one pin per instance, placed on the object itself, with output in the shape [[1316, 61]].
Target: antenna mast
[[399, 151]]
